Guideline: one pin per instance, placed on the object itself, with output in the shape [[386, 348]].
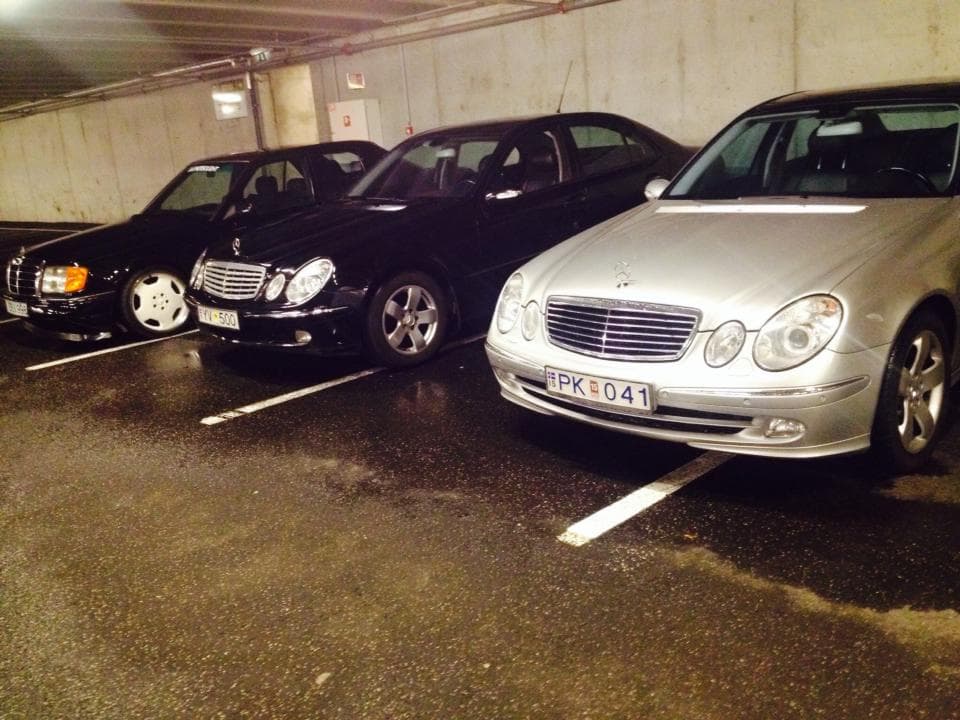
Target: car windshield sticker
[[204, 168]]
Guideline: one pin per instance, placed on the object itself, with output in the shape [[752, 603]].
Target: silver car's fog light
[[798, 332], [508, 308], [783, 428], [302, 337], [275, 287], [530, 321], [725, 343]]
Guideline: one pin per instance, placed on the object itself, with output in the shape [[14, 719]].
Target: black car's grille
[[23, 277], [620, 329], [232, 281]]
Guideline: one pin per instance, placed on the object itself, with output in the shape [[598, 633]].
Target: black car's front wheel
[[913, 397], [153, 302], [406, 320]]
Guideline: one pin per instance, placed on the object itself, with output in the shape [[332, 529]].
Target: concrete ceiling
[[51, 49]]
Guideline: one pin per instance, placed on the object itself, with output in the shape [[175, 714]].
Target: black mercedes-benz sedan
[[425, 240], [132, 275]]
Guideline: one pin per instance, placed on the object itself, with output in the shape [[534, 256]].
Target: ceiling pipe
[[218, 68]]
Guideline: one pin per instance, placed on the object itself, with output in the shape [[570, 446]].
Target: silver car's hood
[[729, 260]]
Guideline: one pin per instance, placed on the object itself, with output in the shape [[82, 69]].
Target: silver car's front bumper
[[834, 417]]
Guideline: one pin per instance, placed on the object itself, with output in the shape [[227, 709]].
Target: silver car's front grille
[[232, 281], [620, 329], [23, 277]]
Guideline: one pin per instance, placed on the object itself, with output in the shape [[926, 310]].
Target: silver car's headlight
[[508, 308], [798, 332], [530, 320], [196, 275], [724, 344], [309, 280]]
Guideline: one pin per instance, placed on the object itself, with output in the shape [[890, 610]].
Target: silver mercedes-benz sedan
[[793, 292]]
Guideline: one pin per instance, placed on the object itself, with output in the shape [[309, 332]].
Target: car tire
[[153, 303], [914, 397], [406, 320]]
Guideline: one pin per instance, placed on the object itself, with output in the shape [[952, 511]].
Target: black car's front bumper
[[324, 330], [83, 318]]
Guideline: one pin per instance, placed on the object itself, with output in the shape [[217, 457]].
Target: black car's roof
[[249, 155], [500, 125], [923, 91]]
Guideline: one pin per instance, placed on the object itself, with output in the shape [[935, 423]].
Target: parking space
[[388, 545]]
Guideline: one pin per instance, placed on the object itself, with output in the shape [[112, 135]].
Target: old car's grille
[[620, 329], [232, 281], [23, 277]]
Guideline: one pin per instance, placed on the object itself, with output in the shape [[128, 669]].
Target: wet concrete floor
[[387, 548]]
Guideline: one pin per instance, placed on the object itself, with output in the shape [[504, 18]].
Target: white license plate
[[602, 391], [15, 308], [221, 318]]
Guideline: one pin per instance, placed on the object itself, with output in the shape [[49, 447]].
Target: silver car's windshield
[[879, 151]]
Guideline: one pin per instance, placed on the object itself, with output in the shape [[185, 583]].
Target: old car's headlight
[[62, 279], [309, 280], [797, 333], [530, 320], [275, 287], [196, 275], [724, 344], [508, 308]]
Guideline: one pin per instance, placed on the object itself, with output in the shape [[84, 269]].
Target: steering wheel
[[913, 174]]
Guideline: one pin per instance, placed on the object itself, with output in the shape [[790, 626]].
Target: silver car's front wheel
[[913, 398], [153, 303]]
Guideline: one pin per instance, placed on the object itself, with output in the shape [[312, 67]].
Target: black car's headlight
[[309, 280], [63, 279], [798, 332], [196, 275], [275, 287]]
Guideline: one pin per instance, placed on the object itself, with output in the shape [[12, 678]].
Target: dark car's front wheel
[[153, 303], [913, 398], [406, 320]]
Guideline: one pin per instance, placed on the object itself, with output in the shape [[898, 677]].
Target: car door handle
[[577, 198]]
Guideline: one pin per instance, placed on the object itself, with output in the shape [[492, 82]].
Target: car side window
[[276, 186], [336, 172], [601, 148], [533, 163]]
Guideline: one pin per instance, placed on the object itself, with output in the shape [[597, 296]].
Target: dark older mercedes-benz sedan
[[132, 275], [425, 240]]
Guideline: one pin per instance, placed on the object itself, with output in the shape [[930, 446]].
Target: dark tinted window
[[200, 190], [534, 162], [601, 148], [277, 185]]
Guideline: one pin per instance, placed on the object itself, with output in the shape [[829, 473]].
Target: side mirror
[[502, 195], [655, 188]]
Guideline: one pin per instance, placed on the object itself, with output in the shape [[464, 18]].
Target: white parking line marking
[[295, 394], [75, 358], [594, 526], [286, 397]]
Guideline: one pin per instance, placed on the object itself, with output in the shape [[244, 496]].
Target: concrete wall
[[104, 161], [684, 67]]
